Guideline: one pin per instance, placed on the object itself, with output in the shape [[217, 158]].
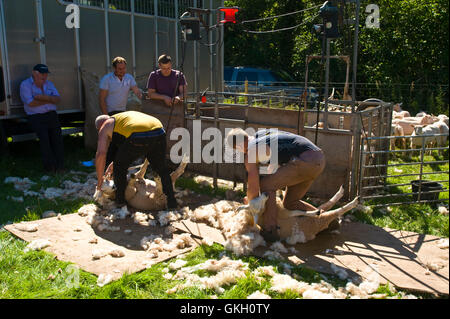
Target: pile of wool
[[297, 236], [443, 210], [227, 272], [37, 244], [154, 244], [20, 184], [258, 295], [69, 188], [104, 279], [165, 217], [236, 225], [98, 218], [25, 226], [143, 219], [119, 212], [322, 290], [179, 263], [443, 243], [113, 252]]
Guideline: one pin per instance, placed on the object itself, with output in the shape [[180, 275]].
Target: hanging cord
[[283, 29], [281, 15]]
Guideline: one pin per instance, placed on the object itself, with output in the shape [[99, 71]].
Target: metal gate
[[411, 175]]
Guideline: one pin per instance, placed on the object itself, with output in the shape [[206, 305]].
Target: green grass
[[26, 275]]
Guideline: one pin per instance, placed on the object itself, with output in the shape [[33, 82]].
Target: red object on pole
[[203, 99], [229, 14]]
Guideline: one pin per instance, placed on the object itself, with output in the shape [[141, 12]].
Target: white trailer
[[35, 31]]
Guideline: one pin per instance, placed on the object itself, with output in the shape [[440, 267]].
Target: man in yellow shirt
[[123, 138]]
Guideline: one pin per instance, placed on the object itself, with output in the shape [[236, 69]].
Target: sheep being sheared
[[241, 225], [142, 193], [297, 226]]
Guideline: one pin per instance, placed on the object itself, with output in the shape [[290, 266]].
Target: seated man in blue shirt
[[114, 88], [40, 97]]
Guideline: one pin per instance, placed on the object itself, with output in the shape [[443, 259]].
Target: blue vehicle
[[262, 81]]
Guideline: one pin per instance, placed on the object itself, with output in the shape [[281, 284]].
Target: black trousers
[[114, 112], [154, 149], [48, 129]]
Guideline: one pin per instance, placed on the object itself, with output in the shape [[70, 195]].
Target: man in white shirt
[[114, 88]]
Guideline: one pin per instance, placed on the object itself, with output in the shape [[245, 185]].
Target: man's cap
[[41, 68]]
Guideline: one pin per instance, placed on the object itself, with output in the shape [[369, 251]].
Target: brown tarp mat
[[397, 256], [73, 246]]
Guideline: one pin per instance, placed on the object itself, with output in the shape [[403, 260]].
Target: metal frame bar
[[107, 46], [5, 59], [40, 29]]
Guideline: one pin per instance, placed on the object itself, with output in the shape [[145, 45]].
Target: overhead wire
[[282, 29], [280, 15]]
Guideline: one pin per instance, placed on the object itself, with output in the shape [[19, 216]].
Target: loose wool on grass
[[69, 189], [258, 295], [37, 244], [155, 244], [227, 272]]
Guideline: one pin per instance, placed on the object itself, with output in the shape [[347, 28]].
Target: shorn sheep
[[302, 226], [241, 224], [142, 193]]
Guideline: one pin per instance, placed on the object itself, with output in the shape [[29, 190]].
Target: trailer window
[[166, 8]]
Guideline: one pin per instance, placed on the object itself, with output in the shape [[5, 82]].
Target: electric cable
[[282, 29], [280, 15]]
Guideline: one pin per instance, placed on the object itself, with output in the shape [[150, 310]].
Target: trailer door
[[25, 41]]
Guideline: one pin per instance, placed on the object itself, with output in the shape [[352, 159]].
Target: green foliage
[[411, 46]]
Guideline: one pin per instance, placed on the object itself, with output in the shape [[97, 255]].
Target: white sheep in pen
[[427, 139]]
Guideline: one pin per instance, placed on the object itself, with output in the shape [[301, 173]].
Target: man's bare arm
[[253, 179], [102, 149], [137, 91], [156, 96]]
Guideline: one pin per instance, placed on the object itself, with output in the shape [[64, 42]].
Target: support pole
[[133, 40], [108, 56], [355, 54]]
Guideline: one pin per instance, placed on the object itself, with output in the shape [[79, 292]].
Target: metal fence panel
[[388, 184]]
